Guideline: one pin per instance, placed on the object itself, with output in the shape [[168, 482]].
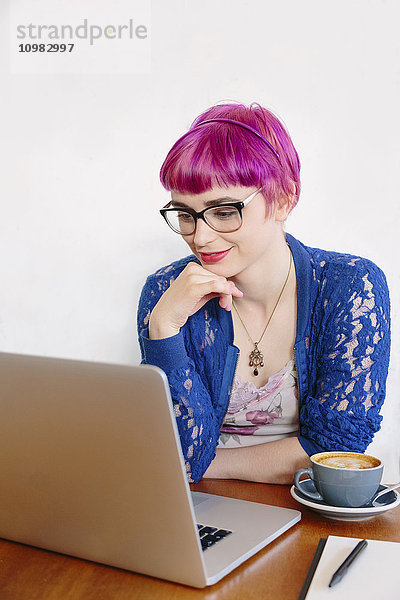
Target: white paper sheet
[[374, 573]]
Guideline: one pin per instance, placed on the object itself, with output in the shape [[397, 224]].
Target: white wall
[[80, 156]]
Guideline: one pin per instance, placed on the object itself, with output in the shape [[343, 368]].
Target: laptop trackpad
[[198, 498]]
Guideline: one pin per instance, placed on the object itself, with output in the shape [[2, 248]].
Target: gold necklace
[[256, 358]]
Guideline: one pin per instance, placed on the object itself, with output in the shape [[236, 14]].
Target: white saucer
[[387, 502]]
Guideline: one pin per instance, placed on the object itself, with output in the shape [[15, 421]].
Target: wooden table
[[277, 572]]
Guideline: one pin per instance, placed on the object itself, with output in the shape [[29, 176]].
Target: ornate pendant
[[256, 359]]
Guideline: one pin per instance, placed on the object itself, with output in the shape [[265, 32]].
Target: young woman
[[273, 350]]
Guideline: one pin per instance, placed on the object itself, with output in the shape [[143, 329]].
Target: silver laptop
[[91, 466]]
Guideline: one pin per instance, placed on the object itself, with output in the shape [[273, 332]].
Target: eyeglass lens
[[221, 218]]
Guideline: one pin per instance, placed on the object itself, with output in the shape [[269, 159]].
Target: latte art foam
[[344, 460]]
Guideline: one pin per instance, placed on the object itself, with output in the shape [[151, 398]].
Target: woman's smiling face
[[229, 254]]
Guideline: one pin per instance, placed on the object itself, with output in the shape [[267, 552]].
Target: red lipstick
[[213, 257]]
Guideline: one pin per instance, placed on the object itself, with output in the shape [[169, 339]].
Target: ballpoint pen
[[337, 576]]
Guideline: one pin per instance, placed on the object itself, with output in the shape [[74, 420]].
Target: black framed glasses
[[224, 218]]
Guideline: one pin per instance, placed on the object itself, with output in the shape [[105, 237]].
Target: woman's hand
[[186, 295]]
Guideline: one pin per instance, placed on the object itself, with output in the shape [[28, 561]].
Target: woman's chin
[[220, 270]]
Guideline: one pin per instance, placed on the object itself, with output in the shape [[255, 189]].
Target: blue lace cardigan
[[341, 350]]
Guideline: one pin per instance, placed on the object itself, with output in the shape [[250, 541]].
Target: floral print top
[[258, 415]]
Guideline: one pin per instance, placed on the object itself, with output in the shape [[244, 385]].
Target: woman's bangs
[[196, 165]]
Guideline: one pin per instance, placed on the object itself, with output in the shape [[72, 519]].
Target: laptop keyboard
[[211, 535]]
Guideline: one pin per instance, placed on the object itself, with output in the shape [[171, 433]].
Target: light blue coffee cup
[[347, 479]]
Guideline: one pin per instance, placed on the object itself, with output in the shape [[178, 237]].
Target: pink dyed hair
[[224, 154]]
